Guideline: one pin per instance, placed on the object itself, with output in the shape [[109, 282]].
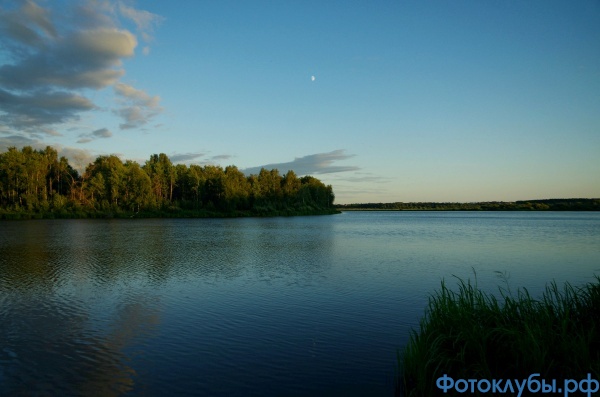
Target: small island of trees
[[39, 184]]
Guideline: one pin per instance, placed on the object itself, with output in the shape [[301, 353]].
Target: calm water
[[240, 307]]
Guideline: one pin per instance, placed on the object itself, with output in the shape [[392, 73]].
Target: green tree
[[236, 189], [107, 179], [12, 175], [269, 183], [138, 187], [290, 185], [181, 187], [65, 178], [38, 181], [163, 175], [194, 180], [315, 193], [97, 188], [214, 186]]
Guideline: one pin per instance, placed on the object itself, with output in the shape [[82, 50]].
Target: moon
[[312, 78]]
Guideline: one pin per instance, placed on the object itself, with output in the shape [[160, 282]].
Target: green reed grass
[[471, 334]]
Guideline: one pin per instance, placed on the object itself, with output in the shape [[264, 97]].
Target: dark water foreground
[[280, 306]]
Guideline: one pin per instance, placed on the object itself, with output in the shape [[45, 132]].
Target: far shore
[[571, 204]]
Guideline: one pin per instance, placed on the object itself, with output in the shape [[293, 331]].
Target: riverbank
[[470, 334], [170, 213], [572, 204]]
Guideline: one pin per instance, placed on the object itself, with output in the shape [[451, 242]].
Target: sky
[[387, 101]]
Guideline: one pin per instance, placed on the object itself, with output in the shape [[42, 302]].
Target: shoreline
[[459, 210], [568, 204], [180, 214]]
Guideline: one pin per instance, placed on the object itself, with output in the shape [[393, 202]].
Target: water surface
[[274, 306]]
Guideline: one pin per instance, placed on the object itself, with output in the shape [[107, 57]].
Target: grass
[[470, 334]]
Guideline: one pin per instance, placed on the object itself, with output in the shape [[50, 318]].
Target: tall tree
[[214, 185], [194, 181], [290, 185], [270, 185], [236, 189], [107, 179], [163, 175], [138, 187]]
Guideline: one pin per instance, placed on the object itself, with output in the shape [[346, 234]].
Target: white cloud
[[221, 157], [320, 163], [53, 55], [84, 59], [185, 157], [78, 158], [26, 111], [137, 96], [39, 17], [145, 21], [138, 107], [100, 133]]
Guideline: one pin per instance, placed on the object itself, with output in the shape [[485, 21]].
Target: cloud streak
[[138, 107], [320, 163], [361, 177], [144, 21], [185, 157], [101, 133], [221, 157]]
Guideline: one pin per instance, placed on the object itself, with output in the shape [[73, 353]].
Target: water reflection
[[81, 300], [53, 345], [48, 254], [64, 330], [280, 306]]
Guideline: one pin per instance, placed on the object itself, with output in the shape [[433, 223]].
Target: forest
[[572, 204], [39, 184]]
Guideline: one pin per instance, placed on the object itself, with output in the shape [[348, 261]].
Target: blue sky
[[410, 101]]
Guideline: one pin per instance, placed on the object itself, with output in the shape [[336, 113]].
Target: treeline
[[39, 184], [575, 204]]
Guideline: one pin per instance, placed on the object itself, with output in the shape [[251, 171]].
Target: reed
[[471, 334]]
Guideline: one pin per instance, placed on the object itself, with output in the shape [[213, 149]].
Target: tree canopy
[[39, 184]]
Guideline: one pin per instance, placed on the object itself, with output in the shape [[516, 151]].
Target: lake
[[298, 306]]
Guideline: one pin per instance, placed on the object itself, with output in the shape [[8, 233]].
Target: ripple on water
[[277, 306]]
